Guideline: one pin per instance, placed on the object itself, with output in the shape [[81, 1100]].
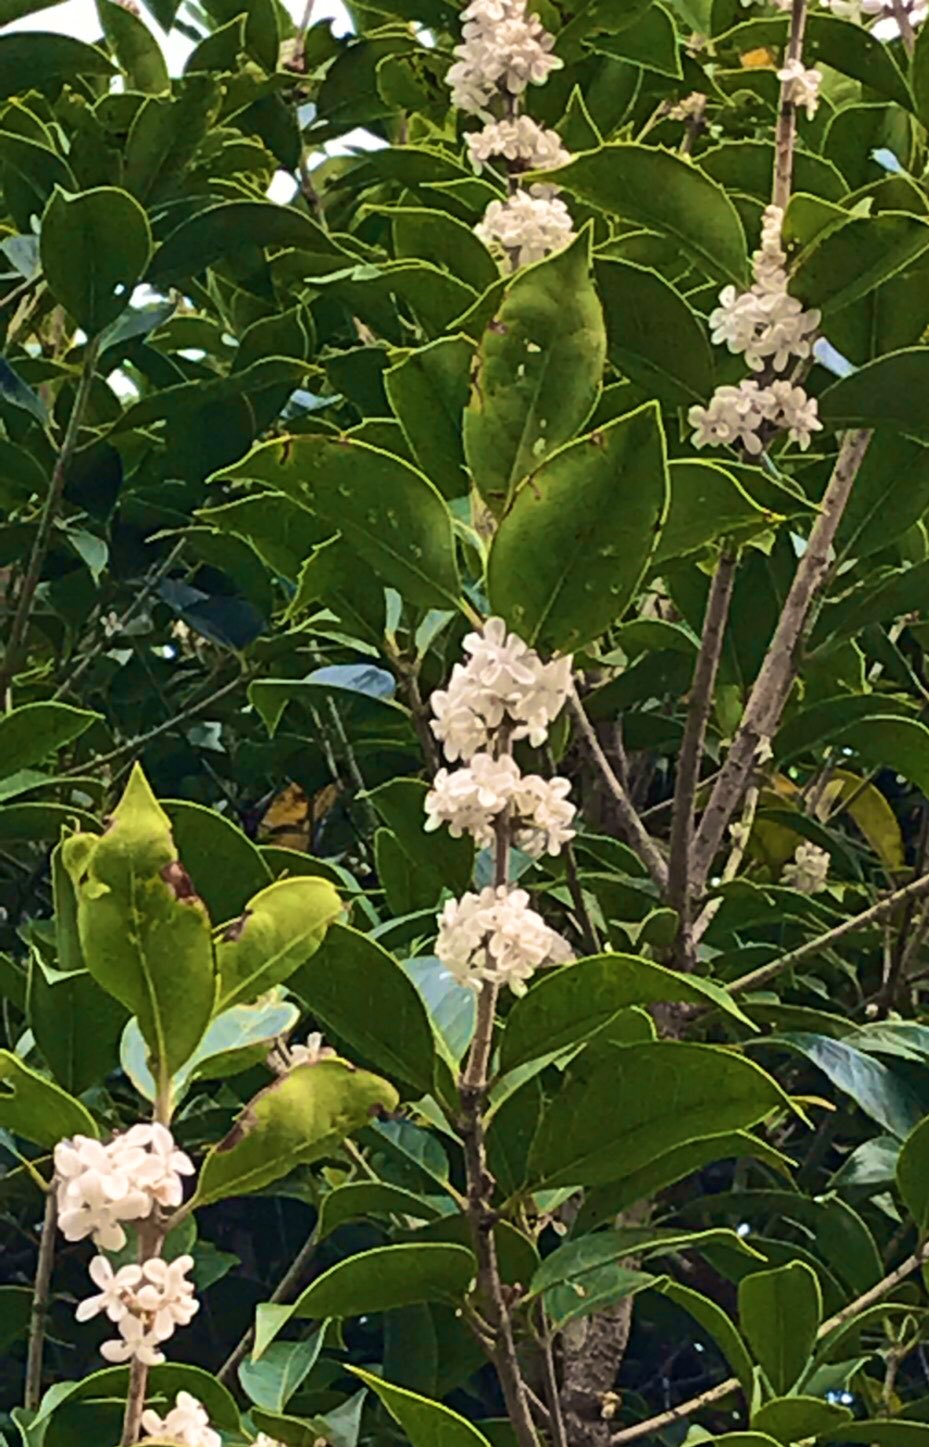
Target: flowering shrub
[[464, 803]]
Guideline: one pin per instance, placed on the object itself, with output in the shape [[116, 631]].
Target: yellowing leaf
[[870, 811], [762, 58]]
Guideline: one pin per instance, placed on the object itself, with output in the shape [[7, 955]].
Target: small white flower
[[470, 800], [526, 227], [136, 1341], [114, 1286], [100, 1186], [809, 869], [521, 140], [496, 936], [186, 1423], [801, 86], [502, 51], [312, 1052]]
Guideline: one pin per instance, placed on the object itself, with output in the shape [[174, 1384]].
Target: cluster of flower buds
[[145, 1302], [771, 330], [502, 693], [284, 1057], [808, 871], [186, 1423], [504, 49], [864, 10], [101, 1186]]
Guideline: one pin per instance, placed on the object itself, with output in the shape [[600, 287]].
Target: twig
[[905, 25], [552, 1396], [40, 546], [699, 704], [287, 1284], [741, 833], [916, 889], [40, 1294], [776, 675], [731, 1384], [637, 836], [786, 132]]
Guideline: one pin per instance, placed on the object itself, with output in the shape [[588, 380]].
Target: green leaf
[[95, 247], [795, 1419], [35, 1108], [891, 493], [357, 1199], [537, 372], [299, 1118], [279, 930], [30, 733], [387, 512], [572, 1261], [36, 59], [653, 337], [224, 864], [424, 1423], [219, 232], [913, 1176], [851, 260], [841, 44], [569, 554], [444, 240], [707, 503], [76, 1025], [135, 47], [883, 393], [437, 860], [428, 392], [674, 1092], [666, 193], [569, 1006], [271, 1381], [234, 1041], [353, 986], [651, 43], [718, 1326], [898, 743], [780, 1312], [144, 933], [386, 1277], [15, 1314], [919, 75], [881, 1433]]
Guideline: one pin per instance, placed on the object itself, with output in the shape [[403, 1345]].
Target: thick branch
[[50, 508], [699, 703], [637, 836], [40, 1294], [731, 1384], [775, 678], [786, 133]]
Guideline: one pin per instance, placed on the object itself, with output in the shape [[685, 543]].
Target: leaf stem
[[40, 1295], [50, 508]]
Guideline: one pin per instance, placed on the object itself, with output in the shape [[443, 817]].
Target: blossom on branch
[[801, 86], [525, 226], [100, 1186], [146, 1302], [472, 799], [186, 1423], [495, 936], [502, 51], [808, 870]]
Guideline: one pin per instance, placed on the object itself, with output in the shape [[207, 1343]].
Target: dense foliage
[[265, 472]]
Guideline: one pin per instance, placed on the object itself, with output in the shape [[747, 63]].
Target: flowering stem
[[700, 702], [786, 133], [637, 836], [40, 1294], [481, 1215], [778, 670]]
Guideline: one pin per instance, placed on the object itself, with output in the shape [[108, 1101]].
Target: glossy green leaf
[[144, 932], [851, 260], [436, 859], [30, 733], [794, 1419], [297, 1119], [707, 502], [718, 1326], [95, 247], [224, 864], [913, 1175], [352, 985], [221, 231], [780, 1312], [653, 337], [572, 1261], [35, 1108], [674, 1093], [357, 1199], [898, 743], [280, 928], [885, 393], [891, 493], [651, 43], [76, 1024], [38, 59], [424, 1423], [386, 1277], [15, 1314], [428, 391], [841, 44], [881, 1433], [536, 374], [233, 1042], [271, 1381], [569, 1006], [135, 47], [569, 554], [666, 193]]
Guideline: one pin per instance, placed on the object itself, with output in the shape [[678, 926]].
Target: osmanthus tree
[[464, 786]]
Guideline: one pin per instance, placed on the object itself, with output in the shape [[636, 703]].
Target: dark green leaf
[[653, 336], [884, 393], [780, 1312], [387, 1277], [424, 1423], [95, 247], [428, 391], [30, 733], [37, 1110]]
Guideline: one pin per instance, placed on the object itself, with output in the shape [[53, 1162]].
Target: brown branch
[[637, 836], [905, 25], [786, 133], [699, 703], [40, 1295], [776, 675], [731, 1384], [50, 508], [288, 1283]]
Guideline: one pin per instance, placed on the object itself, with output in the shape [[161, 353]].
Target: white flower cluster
[[504, 684], [503, 50], [312, 1052], [101, 1186], [503, 692], [859, 10], [146, 1302], [186, 1423], [496, 936], [770, 328], [808, 870], [472, 799], [801, 86]]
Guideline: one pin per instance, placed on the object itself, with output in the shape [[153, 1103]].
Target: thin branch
[[552, 1395], [699, 703], [786, 133], [50, 508], [637, 836], [731, 1384], [776, 675], [904, 25], [40, 1295], [288, 1283], [755, 979], [741, 833]]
